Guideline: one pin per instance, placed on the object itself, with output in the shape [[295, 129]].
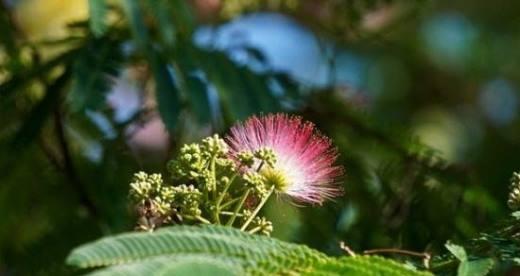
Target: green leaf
[[361, 265], [98, 11], [458, 251], [175, 265], [198, 267], [167, 93], [199, 98], [468, 267], [242, 92], [479, 267], [97, 63], [133, 12], [162, 13], [185, 240], [225, 249]]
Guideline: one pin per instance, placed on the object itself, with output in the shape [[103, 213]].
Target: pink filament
[[304, 156]]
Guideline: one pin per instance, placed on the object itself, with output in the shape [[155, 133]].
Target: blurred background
[[420, 97]]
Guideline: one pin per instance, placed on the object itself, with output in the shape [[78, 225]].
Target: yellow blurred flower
[[48, 18]]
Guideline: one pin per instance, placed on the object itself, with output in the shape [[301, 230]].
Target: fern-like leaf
[[222, 248], [197, 264], [362, 265], [217, 241]]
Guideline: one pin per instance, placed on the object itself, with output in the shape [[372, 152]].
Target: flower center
[[276, 178]]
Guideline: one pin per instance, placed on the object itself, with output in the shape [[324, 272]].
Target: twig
[[346, 248], [68, 167], [426, 256], [230, 214], [229, 203], [238, 207], [255, 212], [52, 156]]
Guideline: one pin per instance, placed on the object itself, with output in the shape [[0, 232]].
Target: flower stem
[[224, 213], [238, 207], [199, 218], [216, 216], [255, 212], [260, 166], [223, 193], [203, 220], [227, 204], [221, 197], [254, 230], [214, 176]]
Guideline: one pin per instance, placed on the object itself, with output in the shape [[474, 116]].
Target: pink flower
[[304, 158]]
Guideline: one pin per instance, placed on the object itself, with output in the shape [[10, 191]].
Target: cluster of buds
[[157, 204], [261, 225], [207, 186], [228, 181]]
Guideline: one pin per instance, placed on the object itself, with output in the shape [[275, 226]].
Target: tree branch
[[68, 166]]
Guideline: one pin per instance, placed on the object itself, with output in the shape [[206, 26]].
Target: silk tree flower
[[304, 165]]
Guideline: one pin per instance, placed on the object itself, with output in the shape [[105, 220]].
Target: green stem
[[214, 176], [255, 212], [221, 197], [224, 213], [254, 230], [223, 193], [216, 216], [442, 265], [229, 203], [260, 166], [238, 207], [199, 218]]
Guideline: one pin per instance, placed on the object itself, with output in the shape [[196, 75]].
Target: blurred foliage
[[428, 135]]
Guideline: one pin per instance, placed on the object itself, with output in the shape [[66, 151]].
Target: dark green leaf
[[161, 11], [98, 13], [242, 92], [167, 93], [92, 71], [198, 97]]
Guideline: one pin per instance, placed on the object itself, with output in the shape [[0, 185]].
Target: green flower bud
[[266, 155], [214, 146], [226, 165], [161, 206], [224, 180], [144, 186], [257, 182], [168, 193], [187, 200], [189, 163], [246, 158], [246, 214], [266, 227]]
